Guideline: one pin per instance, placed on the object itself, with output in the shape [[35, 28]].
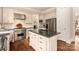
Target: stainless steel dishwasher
[[3, 42]]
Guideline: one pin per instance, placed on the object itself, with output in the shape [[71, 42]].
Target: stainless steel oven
[[20, 34]]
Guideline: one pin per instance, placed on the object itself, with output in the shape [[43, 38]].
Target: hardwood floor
[[63, 46], [23, 45], [20, 45]]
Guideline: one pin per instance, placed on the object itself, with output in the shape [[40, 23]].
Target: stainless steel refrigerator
[[51, 25]]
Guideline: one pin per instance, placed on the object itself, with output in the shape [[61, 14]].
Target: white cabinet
[[0, 15], [36, 20], [41, 16], [8, 15], [33, 40], [12, 36], [29, 19], [41, 43], [64, 23], [47, 44], [50, 15], [8, 43]]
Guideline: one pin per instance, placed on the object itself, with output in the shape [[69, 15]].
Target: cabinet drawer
[[41, 38], [42, 42], [42, 48]]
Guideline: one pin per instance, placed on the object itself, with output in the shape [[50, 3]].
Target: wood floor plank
[[20, 45], [63, 46]]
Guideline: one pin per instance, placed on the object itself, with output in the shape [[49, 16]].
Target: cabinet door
[[0, 15], [52, 43], [7, 43], [42, 43], [36, 20], [5, 15], [64, 23], [11, 16], [34, 40], [8, 15], [29, 19], [41, 17], [31, 38]]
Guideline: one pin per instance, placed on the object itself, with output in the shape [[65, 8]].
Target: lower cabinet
[[8, 43], [33, 40], [42, 43]]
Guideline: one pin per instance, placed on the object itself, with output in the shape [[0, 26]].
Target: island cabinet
[[43, 43], [33, 40]]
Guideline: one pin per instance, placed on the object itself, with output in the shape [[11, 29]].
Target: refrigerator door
[[51, 25]]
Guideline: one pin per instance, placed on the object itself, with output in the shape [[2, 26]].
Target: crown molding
[[33, 11]]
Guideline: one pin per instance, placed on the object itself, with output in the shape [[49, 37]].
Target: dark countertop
[[17, 28], [20, 28], [45, 33]]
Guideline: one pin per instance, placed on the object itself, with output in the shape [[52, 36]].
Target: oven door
[[20, 34]]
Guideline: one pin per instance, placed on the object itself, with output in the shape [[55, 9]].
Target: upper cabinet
[[29, 19], [0, 15], [8, 16], [50, 15], [41, 16], [36, 20]]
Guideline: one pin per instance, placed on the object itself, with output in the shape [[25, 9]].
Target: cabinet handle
[[34, 35], [40, 42], [41, 48], [40, 38]]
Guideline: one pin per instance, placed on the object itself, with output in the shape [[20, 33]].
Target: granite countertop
[[45, 33]]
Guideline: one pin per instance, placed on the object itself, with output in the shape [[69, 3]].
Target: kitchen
[[42, 27]]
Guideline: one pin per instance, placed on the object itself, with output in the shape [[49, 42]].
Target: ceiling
[[36, 9], [41, 8]]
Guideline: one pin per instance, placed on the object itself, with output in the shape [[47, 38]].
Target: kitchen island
[[42, 40]]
